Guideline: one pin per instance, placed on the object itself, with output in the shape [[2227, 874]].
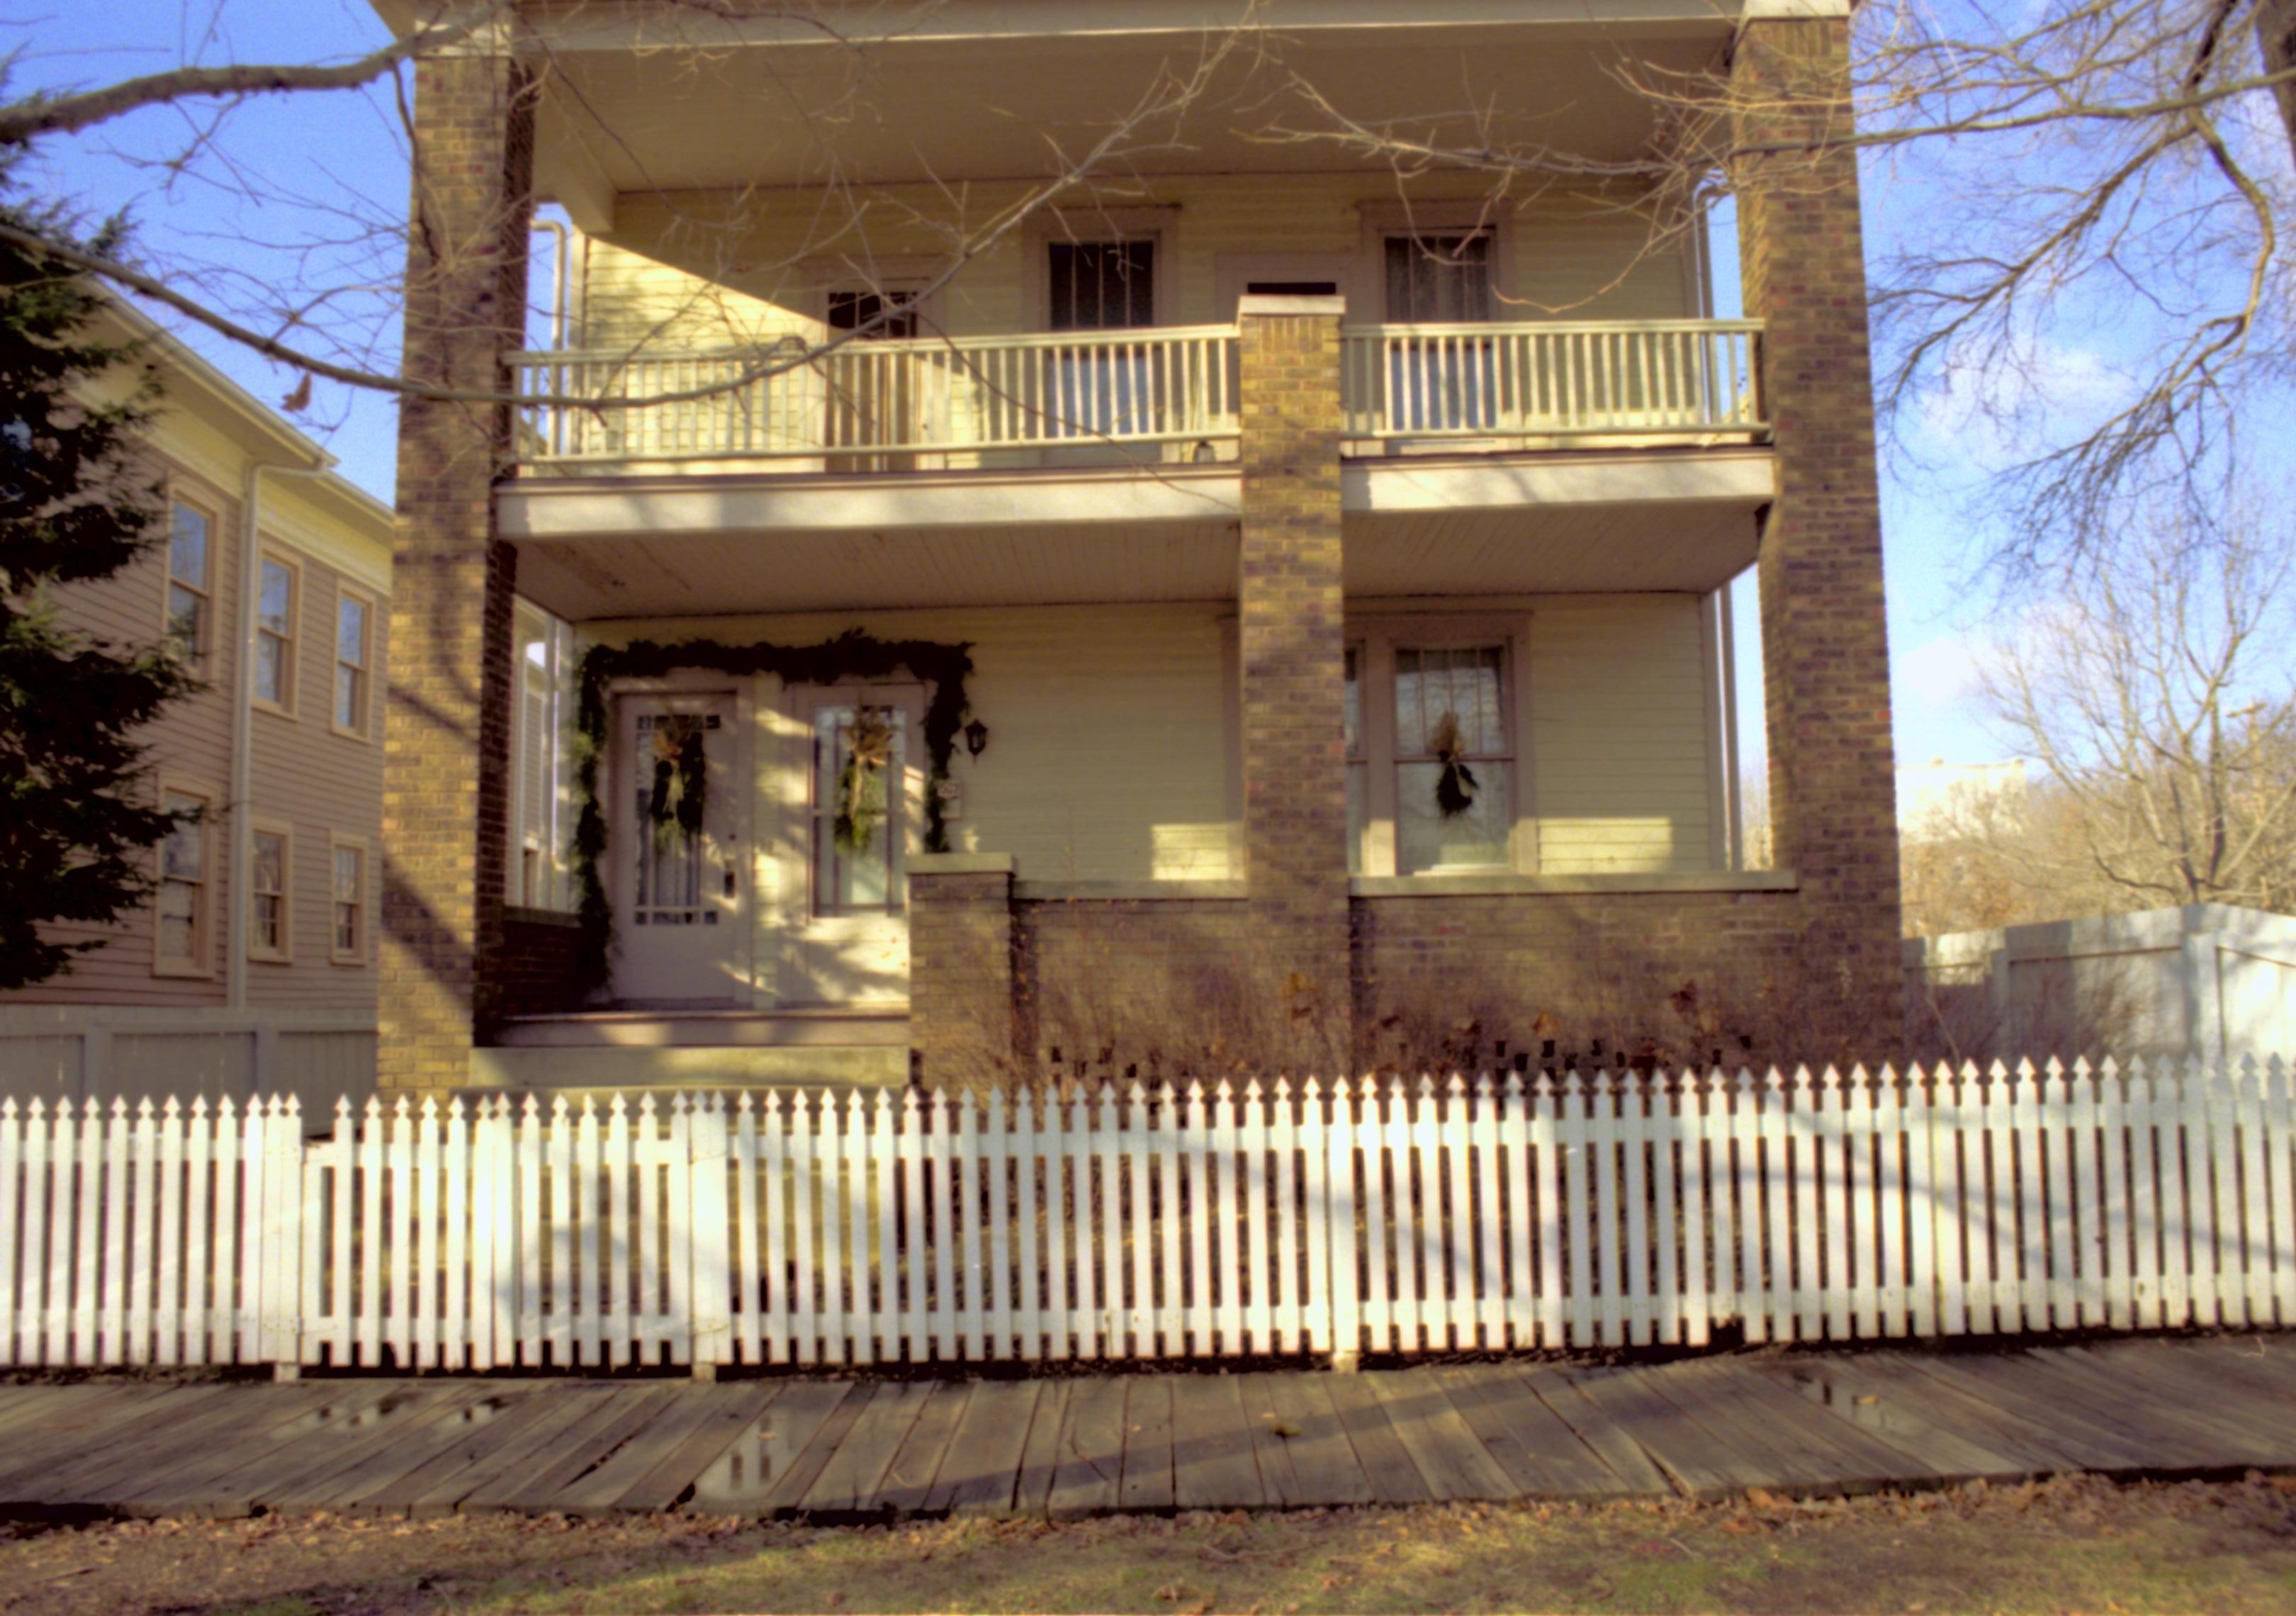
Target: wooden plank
[[1090, 1468], [1511, 1418], [1759, 1454], [222, 1480], [599, 1492], [2120, 1405], [1442, 1447], [1387, 1464], [73, 1419], [519, 1424], [2067, 1445], [1212, 1462], [2149, 1441], [307, 1469], [1322, 1455], [353, 1491], [1147, 1481], [1951, 1452], [1271, 1445], [983, 1466], [1603, 1437], [1687, 1451], [732, 1411], [2261, 1363], [1863, 1460], [910, 1480], [768, 1466], [2248, 1425], [572, 1451], [1041, 1455], [848, 1484], [224, 1428]]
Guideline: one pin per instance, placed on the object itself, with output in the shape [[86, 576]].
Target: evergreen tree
[[78, 503]]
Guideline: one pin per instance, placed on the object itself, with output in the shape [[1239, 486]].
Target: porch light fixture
[[976, 737]]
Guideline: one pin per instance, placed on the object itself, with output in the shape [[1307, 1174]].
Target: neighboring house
[[1265, 491], [275, 577]]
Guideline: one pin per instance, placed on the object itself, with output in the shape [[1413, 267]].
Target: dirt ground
[[2074, 1544]]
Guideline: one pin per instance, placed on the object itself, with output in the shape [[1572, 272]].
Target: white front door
[[846, 864], [679, 894]]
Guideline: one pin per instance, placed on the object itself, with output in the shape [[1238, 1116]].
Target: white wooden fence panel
[[1395, 1216]]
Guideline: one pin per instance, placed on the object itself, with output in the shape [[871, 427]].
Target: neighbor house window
[[354, 627], [191, 581], [348, 947], [276, 588], [1432, 732], [270, 867], [183, 897]]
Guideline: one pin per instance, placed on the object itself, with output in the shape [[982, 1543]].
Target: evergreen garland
[[851, 655]]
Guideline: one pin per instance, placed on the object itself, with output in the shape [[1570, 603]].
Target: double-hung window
[[1101, 388], [1444, 381], [269, 879], [1433, 745], [349, 944], [354, 651], [182, 897], [191, 582], [278, 583]]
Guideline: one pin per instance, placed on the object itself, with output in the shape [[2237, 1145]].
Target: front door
[[846, 867], [679, 896]]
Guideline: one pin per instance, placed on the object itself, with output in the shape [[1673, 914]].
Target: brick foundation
[[446, 730], [1146, 982], [962, 1003]]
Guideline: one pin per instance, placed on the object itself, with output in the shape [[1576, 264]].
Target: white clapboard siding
[[1391, 1215]]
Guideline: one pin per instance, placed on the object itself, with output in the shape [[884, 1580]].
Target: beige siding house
[[264, 925], [965, 621]]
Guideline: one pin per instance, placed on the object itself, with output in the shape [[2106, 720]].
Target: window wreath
[[861, 783], [1456, 785], [678, 803], [682, 797]]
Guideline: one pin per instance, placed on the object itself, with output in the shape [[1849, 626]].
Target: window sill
[[259, 705], [358, 735], [1501, 884], [185, 973], [269, 959]]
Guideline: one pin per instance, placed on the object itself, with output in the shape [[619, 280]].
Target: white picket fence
[[1411, 1217]]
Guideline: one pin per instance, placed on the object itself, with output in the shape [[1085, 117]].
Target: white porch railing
[[1549, 379], [1135, 1224], [881, 406]]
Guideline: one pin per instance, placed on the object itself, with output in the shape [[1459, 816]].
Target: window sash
[[349, 902], [189, 563], [274, 633], [352, 619], [268, 892], [183, 897]]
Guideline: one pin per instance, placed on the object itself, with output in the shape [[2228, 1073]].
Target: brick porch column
[[1294, 691], [1825, 659], [447, 761], [961, 1011]]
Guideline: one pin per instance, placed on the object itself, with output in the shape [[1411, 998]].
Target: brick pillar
[[1294, 670], [961, 1011], [447, 761], [1825, 640]]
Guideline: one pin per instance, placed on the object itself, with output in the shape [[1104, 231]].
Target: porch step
[[601, 1069]]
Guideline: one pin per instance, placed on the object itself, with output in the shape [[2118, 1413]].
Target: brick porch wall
[[1825, 642], [1143, 978], [536, 970], [446, 730], [963, 1008]]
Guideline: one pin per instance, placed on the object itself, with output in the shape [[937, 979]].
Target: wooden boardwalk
[[840, 1449]]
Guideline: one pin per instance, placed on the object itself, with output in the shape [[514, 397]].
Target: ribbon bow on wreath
[[861, 783], [1455, 786], [680, 779]]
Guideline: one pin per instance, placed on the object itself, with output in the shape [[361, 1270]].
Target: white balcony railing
[[881, 406], [1541, 379]]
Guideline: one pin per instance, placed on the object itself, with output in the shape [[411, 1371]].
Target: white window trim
[[1375, 640], [290, 666], [364, 732], [284, 955], [336, 841], [200, 966], [1156, 225], [206, 590]]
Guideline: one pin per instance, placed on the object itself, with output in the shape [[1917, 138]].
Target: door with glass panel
[[680, 898], [857, 815], [1447, 381]]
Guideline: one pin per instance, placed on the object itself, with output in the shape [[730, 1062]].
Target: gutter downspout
[[242, 717]]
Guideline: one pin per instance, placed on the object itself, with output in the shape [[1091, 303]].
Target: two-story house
[[257, 958], [1257, 590]]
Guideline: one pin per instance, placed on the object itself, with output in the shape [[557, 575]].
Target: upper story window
[[353, 630], [1101, 285], [894, 313], [191, 581], [1439, 279], [1433, 742], [183, 897], [276, 589]]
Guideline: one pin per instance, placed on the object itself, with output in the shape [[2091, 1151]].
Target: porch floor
[[836, 1449]]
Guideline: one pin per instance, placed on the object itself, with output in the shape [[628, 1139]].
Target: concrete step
[[704, 1027], [627, 1069]]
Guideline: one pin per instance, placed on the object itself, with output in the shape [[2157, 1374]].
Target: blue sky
[[329, 147]]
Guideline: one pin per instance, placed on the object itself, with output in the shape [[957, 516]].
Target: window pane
[[278, 588], [1353, 717], [1462, 683], [867, 877], [270, 861], [184, 614], [1101, 285], [350, 632], [181, 855], [1429, 840], [270, 668], [347, 874], [1439, 279], [187, 547], [346, 697]]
